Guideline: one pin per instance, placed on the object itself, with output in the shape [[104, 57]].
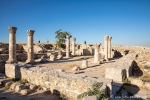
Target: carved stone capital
[[67, 36], [110, 38], [73, 39], [12, 29], [106, 38], [97, 46], [30, 32]]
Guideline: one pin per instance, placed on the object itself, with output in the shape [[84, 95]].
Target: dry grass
[[70, 66], [145, 78]]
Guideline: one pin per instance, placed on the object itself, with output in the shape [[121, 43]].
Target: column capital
[[97, 45], [67, 36], [30, 32], [12, 29], [110, 38], [106, 38], [73, 39]]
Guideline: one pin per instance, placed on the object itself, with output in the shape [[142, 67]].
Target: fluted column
[[30, 47], [73, 46], [106, 47], [109, 47], [97, 54], [12, 44], [67, 46]]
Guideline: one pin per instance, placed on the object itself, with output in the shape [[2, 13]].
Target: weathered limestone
[[60, 56], [84, 64], [73, 46], [106, 47], [30, 47], [12, 70], [52, 57], [122, 68], [12, 45], [109, 47], [67, 46], [68, 83], [97, 54], [90, 98], [115, 73]]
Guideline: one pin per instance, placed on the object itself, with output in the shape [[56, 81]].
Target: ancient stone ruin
[[72, 71]]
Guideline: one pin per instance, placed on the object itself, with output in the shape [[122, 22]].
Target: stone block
[[19, 87], [90, 98], [12, 70], [32, 87], [115, 73], [60, 56], [24, 92], [52, 58], [13, 86], [84, 64]]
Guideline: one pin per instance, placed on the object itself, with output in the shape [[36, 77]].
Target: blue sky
[[127, 21]]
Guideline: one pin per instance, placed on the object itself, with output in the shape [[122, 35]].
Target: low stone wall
[[22, 56], [122, 68], [67, 83]]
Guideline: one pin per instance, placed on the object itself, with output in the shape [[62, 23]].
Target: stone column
[[106, 47], [67, 46], [109, 47], [30, 47], [97, 54], [12, 45], [73, 46]]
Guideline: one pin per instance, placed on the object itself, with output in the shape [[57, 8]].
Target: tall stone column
[[30, 47], [73, 46], [106, 47], [109, 47], [12, 45], [67, 46], [97, 54]]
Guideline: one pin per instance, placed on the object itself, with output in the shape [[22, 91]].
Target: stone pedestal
[[12, 45], [106, 47], [30, 47], [97, 54], [84, 64], [109, 47], [67, 46], [73, 46], [12, 71]]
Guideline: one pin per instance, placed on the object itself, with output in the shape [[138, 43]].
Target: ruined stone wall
[[22, 56], [67, 83]]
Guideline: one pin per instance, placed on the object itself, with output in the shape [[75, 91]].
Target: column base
[[28, 61], [11, 61]]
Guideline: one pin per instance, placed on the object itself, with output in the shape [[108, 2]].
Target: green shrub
[[146, 67], [95, 90], [125, 80], [22, 81]]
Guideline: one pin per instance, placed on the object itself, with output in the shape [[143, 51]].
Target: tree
[[61, 38]]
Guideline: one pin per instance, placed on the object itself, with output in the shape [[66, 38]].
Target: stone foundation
[[67, 83]]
